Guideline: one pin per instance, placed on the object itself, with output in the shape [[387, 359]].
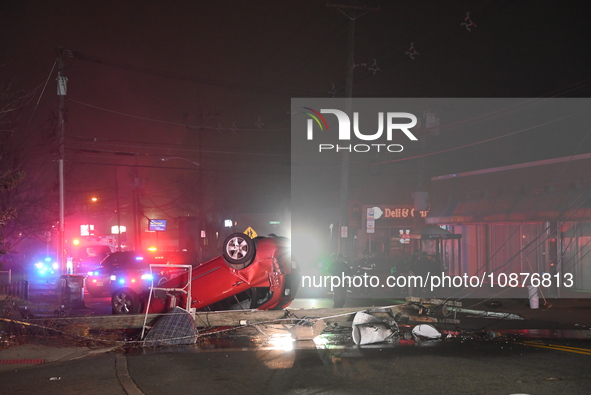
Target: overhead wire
[[174, 75], [238, 87], [267, 63], [183, 77], [41, 93], [218, 171], [544, 235], [432, 40], [523, 130], [174, 147], [228, 85], [216, 128]]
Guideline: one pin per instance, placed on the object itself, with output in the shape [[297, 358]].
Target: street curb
[[124, 378]]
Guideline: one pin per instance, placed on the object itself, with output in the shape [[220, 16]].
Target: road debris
[[177, 327], [307, 329], [424, 332], [368, 329]]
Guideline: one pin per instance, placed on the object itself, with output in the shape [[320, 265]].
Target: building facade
[[528, 218]]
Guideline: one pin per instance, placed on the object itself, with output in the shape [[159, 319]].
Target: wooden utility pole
[[118, 210], [351, 13], [138, 214], [61, 92]]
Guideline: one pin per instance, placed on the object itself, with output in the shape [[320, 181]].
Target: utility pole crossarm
[[342, 7]]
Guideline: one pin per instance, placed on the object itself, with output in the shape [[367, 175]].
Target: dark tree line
[[26, 210]]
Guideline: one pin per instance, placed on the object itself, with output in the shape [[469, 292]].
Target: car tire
[[125, 301], [238, 250]]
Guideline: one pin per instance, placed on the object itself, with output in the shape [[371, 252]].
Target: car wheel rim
[[122, 303], [237, 248]]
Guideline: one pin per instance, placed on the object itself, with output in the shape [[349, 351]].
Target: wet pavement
[[270, 363], [454, 366], [545, 353]]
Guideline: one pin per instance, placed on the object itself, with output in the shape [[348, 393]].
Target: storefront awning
[[550, 206], [433, 232]]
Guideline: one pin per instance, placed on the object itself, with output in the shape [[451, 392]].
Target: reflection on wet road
[[267, 361]]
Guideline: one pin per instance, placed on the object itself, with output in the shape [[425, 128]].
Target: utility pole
[[138, 214], [351, 13], [118, 210], [201, 219], [61, 93]]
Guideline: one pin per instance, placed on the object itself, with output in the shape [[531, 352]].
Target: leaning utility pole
[[61, 93], [343, 233]]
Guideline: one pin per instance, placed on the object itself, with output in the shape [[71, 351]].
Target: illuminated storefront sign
[[399, 215], [403, 212], [86, 230]]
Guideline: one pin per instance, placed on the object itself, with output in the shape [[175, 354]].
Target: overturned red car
[[250, 274]]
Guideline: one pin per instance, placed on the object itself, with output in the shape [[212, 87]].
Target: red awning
[[550, 206]]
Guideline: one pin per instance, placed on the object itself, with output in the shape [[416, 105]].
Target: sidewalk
[[36, 350], [25, 355]]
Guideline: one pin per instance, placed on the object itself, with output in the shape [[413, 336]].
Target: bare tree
[[12, 171]]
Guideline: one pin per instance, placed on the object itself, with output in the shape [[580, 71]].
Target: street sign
[[250, 232], [157, 225], [371, 221]]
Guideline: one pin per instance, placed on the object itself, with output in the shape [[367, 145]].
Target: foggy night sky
[[155, 74]]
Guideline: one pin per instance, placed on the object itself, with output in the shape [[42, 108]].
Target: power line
[[187, 78], [173, 147], [267, 62], [479, 142], [215, 128], [196, 169]]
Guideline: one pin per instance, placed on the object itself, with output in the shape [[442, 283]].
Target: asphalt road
[[259, 362], [450, 367], [454, 366]]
